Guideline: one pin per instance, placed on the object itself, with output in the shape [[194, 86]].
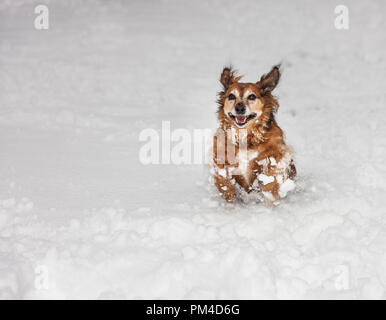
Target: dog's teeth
[[241, 119]]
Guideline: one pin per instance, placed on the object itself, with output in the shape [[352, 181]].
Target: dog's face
[[243, 104]]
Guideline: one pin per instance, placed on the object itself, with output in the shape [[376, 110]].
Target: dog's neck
[[252, 136]]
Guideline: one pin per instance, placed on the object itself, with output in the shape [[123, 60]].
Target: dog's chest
[[244, 159]]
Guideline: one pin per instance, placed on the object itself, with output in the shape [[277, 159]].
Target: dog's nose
[[240, 108]]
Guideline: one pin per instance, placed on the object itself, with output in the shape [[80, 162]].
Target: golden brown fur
[[257, 146]]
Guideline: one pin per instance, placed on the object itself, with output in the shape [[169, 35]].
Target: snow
[[265, 179], [268, 195], [82, 217], [286, 187]]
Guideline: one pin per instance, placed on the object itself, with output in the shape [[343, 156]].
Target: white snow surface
[[81, 217]]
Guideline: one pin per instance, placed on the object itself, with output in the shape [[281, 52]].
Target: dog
[[249, 152]]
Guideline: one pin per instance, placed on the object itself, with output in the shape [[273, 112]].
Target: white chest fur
[[244, 157]]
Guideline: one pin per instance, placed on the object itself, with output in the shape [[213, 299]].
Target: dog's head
[[245, 104]]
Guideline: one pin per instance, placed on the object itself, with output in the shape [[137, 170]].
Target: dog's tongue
[[241, 119]]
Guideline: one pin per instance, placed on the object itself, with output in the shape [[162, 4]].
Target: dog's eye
[[251, 97], [231, 97]]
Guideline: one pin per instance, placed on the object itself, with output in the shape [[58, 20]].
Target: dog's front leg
[[274, 175], [221, 160], [225, 187], [268, 177], [269, 187]]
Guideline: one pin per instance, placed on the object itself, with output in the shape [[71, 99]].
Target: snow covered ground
[[82, 217]]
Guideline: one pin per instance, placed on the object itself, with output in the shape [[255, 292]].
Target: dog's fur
[[252, 155]]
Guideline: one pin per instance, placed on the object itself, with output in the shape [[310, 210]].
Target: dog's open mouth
[[242, 120]]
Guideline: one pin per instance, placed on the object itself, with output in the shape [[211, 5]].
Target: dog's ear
[[269, 81], [228, 77]]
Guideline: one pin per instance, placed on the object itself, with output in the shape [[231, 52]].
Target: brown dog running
[[249, 148]]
